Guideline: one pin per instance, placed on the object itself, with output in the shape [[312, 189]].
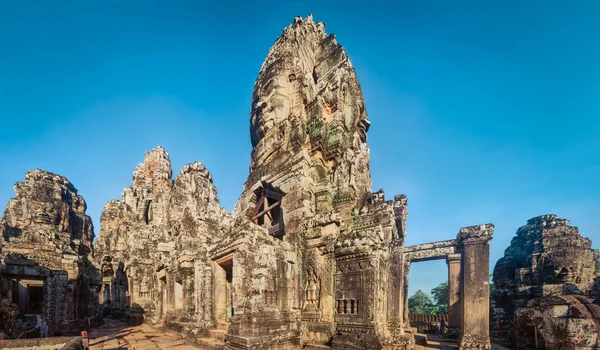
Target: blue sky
[[481, 111]]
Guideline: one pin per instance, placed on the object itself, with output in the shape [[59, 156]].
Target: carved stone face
[[271, 105]]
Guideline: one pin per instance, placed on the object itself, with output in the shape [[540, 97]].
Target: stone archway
[[468, 259]]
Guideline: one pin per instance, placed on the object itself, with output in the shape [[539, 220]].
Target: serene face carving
[[271, 105]]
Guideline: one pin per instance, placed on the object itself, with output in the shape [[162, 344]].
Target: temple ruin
[[310, 257], [547, 288], [45, 253]]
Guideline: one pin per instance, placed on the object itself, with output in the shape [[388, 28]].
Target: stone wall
[[46, 236]]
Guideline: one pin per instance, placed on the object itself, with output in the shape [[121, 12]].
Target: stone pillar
[[405, 320], [395, 302], [474, 242], [454, 290], [132, 290]]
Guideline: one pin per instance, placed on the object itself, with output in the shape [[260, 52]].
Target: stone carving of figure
[[311, 290]]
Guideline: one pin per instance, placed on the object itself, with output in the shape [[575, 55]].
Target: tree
[[420, 303], [440, 296], [492, 287]]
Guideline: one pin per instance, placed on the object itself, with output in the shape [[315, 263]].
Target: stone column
[[395, 302], [454, 290], [405, 320], [474, 242]]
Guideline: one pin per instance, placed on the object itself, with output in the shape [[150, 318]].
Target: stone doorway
[[179, 299], [29, 295], [468, 259], [35, 299], [426, 297], [223, 279]]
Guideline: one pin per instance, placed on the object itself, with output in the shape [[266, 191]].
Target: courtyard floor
[[115, 335], [439, 343]]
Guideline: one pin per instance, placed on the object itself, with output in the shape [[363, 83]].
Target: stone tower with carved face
[[310, 256], [316, 256], [308, 127]]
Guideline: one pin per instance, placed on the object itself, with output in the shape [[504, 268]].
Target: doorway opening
[[29, 295], [224, 289], [427, 296], [35, 299], [267, 212], [178, 296]]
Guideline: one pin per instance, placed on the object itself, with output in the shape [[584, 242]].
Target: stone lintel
[[430, 251], [453, 257], [475, 234]]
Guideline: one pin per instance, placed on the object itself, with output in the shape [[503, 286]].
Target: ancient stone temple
[[311, 256], [545, 287], [45, 250], [152, 249]]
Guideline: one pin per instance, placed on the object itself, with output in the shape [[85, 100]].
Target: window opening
[[268, 213]]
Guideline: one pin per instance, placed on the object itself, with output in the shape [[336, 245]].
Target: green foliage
[[9, 325], [492, 287], [420, 303], [440, 296]]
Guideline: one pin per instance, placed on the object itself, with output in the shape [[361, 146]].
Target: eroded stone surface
[[159, 225], [46, 240], [547, 261], [310, 256]]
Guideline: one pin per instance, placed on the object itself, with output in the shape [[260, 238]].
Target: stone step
[[316, 347], [144, 347], [170, 342], [210, 344], [180, 347], [218, 334], [111, 345], [223, 325]]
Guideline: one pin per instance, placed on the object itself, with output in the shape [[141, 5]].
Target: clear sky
[[481, 111]]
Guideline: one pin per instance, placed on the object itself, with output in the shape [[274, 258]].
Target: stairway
[[215, 339]]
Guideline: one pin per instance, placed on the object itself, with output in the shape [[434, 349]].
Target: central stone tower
[[316, 256], [307, 101]]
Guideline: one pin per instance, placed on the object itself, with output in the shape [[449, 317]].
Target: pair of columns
[[469, 288]]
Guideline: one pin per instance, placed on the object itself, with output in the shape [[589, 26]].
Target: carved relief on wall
[[350, 283], [312, 281], [312, 289]]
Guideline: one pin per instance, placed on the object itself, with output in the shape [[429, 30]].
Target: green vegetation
[[492, 287], [421, 303]]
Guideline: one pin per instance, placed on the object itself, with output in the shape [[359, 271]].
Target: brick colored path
[[116, 335]]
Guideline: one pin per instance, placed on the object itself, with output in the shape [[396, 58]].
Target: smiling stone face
[[271, 105], [307, 97]]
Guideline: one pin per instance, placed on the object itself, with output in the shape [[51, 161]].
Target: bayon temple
[[311, 257]]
